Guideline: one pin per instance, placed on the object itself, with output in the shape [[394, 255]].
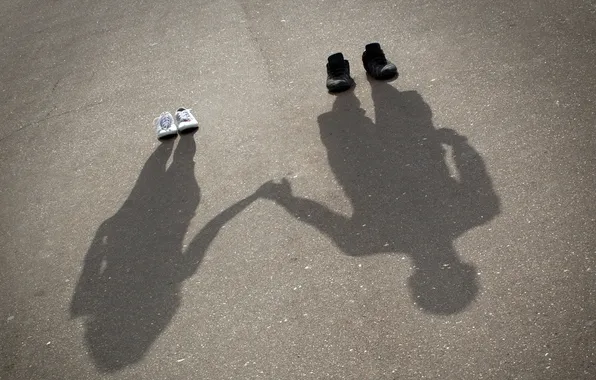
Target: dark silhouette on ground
[[403, 196], [129, 286]]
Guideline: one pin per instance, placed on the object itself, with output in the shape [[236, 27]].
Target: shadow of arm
[[317, 215], [332, 224], [200, 243], [478, 198], [90, 277]]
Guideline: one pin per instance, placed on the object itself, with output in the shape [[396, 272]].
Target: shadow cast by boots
[[404, 198]]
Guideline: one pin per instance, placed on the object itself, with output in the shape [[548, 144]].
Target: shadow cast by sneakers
[[130, 286]]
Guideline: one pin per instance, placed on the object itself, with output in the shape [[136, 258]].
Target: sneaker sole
[[187, 130], [169, 136]]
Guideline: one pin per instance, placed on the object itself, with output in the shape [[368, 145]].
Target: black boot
[[375, 63], [338, 73]]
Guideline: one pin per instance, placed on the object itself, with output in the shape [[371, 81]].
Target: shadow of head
[[444, 289]]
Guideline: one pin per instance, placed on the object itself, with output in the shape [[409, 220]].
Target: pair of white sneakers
[[166, 127]]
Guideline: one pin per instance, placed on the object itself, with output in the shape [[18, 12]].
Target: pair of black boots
[[375, 64]]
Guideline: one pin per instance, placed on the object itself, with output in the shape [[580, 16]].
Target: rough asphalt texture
[[440, 226]]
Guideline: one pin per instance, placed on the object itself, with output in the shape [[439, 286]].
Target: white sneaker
[[186, 121], [165, 126]]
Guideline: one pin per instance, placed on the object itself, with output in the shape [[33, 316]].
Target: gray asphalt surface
[[440, 226]]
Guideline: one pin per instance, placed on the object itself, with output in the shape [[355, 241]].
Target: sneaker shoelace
[[165, 122], [184, 115]]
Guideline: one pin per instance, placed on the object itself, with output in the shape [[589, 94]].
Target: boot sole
[[340, 88]]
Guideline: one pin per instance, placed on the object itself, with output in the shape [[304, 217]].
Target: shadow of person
[[129, 286], [404, 197]]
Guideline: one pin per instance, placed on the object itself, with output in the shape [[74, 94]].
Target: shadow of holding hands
[[128, 290], [403, 195], [392, 170]]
